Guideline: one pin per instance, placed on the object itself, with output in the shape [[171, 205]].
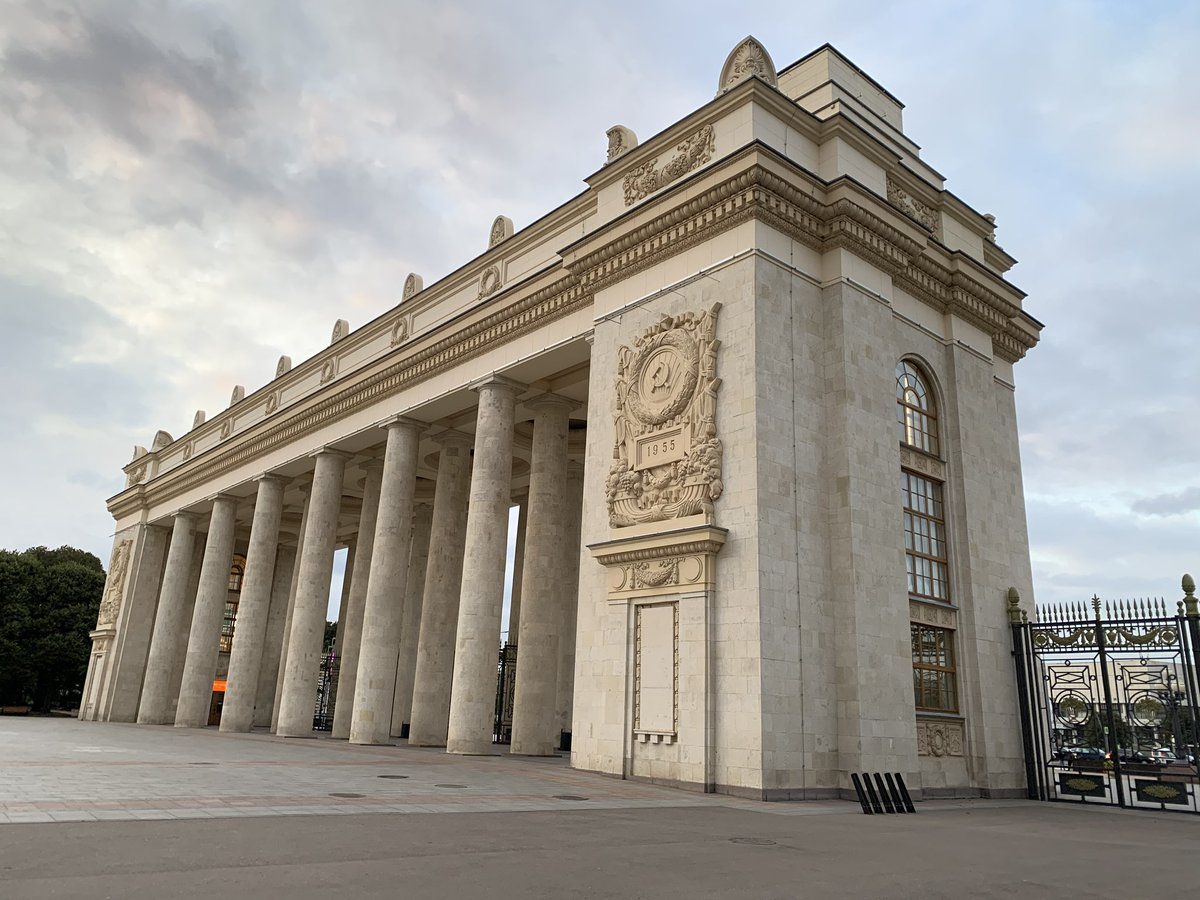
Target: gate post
[[1110, 723], [1015, 620], [1191, 612]]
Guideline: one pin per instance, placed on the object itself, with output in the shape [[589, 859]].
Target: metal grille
[[1109, 703]]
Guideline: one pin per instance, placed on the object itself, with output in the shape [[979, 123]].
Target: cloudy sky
[[190, 189]]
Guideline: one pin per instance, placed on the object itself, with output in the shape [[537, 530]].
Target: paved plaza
[[97, 810]]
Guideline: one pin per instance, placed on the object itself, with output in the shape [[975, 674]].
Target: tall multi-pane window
[[916, 414], [933, 668], [926, 556]]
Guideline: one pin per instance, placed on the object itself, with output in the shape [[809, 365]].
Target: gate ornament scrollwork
[[667, 457]]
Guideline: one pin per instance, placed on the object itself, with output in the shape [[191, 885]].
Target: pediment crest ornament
[[620, 140], [749, 59], [114, 587], [283, 366], [667, 457], [502, 229], [413, 285], [341, 328]]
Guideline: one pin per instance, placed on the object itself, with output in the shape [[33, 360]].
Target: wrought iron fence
[[1110, 701], [327, 683]]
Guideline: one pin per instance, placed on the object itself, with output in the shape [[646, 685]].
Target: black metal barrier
[[892, 796]]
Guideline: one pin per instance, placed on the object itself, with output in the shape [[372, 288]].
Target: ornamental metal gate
[[1109, 702], [506, 691]]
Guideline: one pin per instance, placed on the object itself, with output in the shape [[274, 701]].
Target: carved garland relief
[[691, 153], [114, 587], [905, 202], [667, 456], [937, 738]]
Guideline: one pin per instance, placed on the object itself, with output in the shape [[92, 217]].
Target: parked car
[[1081, 754]]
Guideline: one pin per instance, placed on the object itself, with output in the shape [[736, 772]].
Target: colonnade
[[421, 616]]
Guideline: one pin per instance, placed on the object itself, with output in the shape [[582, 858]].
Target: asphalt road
[[990, 850]]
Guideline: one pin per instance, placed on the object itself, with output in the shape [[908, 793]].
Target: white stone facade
[[686, 376]]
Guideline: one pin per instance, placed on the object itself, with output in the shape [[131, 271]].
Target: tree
[[330, 634], [48, 603], [1093, 731]]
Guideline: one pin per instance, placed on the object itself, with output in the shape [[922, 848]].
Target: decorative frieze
[[925, 214], [939, 737], [933, 614], [672, 562], [919, 462], [667, 457], [691, 153], [114, 586]]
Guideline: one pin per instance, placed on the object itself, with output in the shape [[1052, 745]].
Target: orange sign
[[219, 685]]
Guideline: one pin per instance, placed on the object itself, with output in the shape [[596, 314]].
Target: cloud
[[188, 191], [1176, 504]]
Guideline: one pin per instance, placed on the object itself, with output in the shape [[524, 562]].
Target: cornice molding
[[527, 314], [962, 286], [768, 188]]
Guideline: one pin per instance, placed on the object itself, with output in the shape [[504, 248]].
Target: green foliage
[[1093, 731], [48, 603]]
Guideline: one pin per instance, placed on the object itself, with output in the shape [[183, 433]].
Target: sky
[[189, 190]]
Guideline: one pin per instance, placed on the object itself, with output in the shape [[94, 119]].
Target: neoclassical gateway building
[[752, 391]]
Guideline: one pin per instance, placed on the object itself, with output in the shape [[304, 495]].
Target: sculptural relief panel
[[667, 456]]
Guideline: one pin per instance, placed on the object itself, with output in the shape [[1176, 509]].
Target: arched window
[[926, 554], [236, 573], [916, 413]]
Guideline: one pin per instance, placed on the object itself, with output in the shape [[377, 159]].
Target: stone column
[[535, 725], [157, 689], [439, 608], [376, 682], [354, 602], [204, 644], [312, 597], [254, 606], [185, 623], [473, 695], [285, 638], [518, 587], [268, 673], [410, 628], [569, 611]]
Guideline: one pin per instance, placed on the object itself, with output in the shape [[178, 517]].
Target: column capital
[[550, 402], [226, 496], [402, 420], [498, 383], [331, 451], [186, 515], [451, 438], [271, 478]]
